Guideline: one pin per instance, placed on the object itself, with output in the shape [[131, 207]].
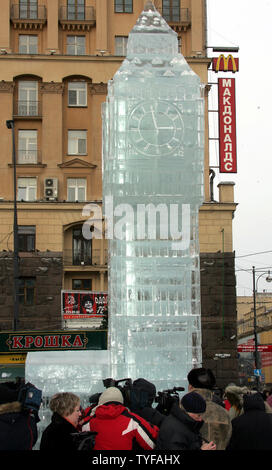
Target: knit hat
[[193, 403], [201, 378], [111, 394]]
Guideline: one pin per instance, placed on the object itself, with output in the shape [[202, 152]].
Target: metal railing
[[28, 12], [73, 13], [91, 258], [28, 156], [180, 16], [27, 108]]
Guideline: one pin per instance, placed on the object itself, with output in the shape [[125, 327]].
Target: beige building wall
[[53, 69]]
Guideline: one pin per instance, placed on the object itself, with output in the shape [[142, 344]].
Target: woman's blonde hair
[[64, 403]]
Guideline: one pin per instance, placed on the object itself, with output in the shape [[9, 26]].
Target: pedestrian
[[234, 394], [252, 430], [18, 425], [64, 422], [142, 396], [217, 422], [181, 428], [117, 427]]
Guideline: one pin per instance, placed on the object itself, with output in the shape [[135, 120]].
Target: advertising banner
[[227, 125], [83, 304]]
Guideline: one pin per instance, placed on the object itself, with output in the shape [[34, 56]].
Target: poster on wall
[[83, 304]]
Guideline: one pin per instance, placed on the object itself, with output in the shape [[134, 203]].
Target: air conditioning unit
[[51, 189]]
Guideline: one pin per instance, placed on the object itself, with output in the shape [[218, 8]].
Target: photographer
[[18, 423], [142, 396], [117, 428]]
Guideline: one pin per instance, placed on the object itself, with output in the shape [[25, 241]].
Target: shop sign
[[225, 64], [227, 125], [19, 342]]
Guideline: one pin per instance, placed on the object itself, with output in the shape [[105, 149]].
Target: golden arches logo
[[226, 63]]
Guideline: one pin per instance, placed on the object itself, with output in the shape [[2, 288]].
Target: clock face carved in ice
[[155, 128]]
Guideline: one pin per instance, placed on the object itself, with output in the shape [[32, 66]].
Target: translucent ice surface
[[79, 372], [153, 153]]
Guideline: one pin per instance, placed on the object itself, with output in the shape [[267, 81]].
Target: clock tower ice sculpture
[[153, 153]]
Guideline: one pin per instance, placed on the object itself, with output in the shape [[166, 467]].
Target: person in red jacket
[[116, 427]]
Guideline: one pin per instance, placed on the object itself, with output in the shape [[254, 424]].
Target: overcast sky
[[247, 24]]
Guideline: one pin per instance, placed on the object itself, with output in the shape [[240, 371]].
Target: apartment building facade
[[56, 57]]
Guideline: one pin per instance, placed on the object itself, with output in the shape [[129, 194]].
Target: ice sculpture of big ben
[[153, 153]]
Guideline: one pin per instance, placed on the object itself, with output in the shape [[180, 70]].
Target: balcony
[[28, 16], [27, 109], [91, 261], [179, 20], [77, 18]]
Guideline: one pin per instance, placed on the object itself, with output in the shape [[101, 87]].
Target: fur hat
[[193, 403], [111, 394], [201, 378]]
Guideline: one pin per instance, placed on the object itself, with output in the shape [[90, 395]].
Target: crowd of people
[[205, 418]]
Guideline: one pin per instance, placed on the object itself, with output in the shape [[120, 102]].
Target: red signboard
[[227, 125], [225, 64], [84, 304]]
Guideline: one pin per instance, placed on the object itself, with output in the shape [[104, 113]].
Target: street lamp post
[[10, 125], [256, 352]]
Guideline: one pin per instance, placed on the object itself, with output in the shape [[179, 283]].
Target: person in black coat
[[181, 429], [253, 429], [64, 422], [142, 396], [18, 427]]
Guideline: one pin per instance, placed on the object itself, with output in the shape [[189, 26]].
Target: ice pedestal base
[[79, 372]]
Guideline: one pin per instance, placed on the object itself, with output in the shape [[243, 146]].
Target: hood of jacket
[[253, 401], [109, 410], [12, 407]]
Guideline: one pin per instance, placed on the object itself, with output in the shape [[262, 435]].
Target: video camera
[[167, 398], [125, 389], [84, 440]]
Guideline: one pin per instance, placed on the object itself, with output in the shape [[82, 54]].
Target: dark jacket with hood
[[253, 429], [18, 430], [142, 396], [179, 432], [18, 427]]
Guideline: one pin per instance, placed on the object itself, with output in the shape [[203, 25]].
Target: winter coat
[[117, 428], [253, 429], [18, 429], [57, 435], [179, 431], [217, 423]]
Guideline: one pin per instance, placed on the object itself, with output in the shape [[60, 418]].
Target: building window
[[75, 45], [76, 189], [123, 6], [75, 9], [121, 45], [26, 237], [77, 142], [28, 44], [82, 284], [27, 146], [28, 9], [27, 189], [171, 10], [77, 94], [82, 248], [28, 98], [27, 290]]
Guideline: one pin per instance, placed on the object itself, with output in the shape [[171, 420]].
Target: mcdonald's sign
[[225, 64], [227, 125]]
